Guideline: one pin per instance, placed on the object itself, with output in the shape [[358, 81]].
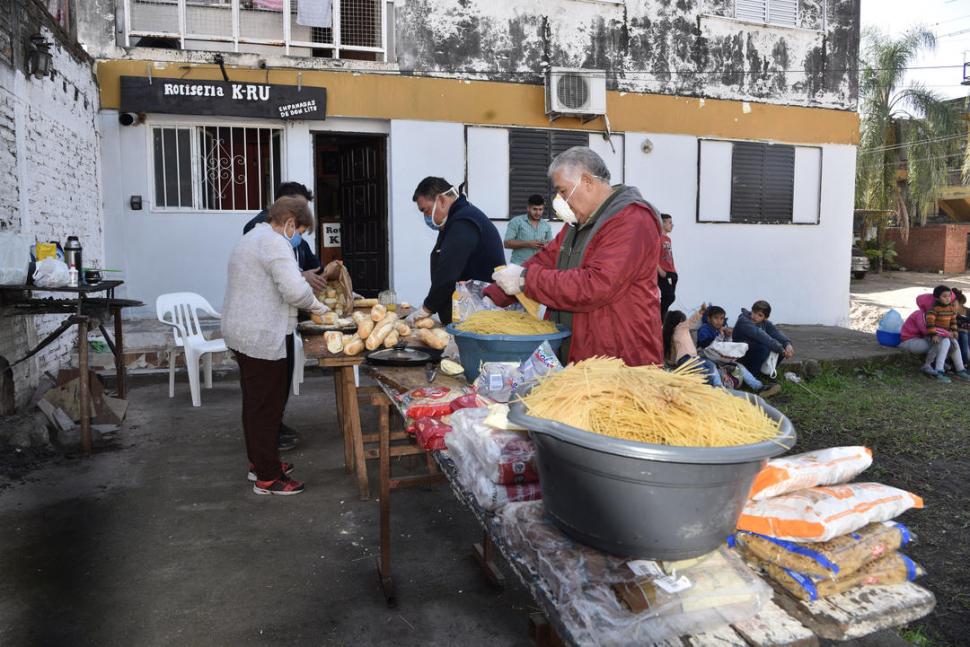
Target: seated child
[[761, 336], [714, 328], [679, 346], [941, 328], [963, 324]]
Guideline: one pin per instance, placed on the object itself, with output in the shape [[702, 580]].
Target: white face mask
[[561, 206]]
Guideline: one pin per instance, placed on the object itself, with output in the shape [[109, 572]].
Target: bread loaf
[[335, 341], [378, 312]]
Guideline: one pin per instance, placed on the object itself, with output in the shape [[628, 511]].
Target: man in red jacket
[[598, 277]]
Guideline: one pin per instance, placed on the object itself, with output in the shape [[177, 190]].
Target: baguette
[[392, 339], [359, 316], [346, 339], [354, 347], [365, 303], [335, 341], [377, 337], [326, 319], [331, 293], [402, 329], [365, 328], [427, 322], [378, 312], [431, 340]]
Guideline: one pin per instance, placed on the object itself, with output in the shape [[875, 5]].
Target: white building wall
[[801, 269], [50, 188]]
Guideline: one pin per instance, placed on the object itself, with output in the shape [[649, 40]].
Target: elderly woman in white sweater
[[264, 292]]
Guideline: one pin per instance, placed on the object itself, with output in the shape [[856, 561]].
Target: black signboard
[[222, 98]]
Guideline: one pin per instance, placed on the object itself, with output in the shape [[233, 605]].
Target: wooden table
[[19, 300], [784, 620]]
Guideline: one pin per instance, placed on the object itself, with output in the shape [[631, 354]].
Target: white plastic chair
[[299, 362], [178, 310]]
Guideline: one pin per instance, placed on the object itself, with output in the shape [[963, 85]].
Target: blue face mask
[[429, 221], [296, 239]]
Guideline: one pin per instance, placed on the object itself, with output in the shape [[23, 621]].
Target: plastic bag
[[430, 433], [15, 257], [541, 362], [505, 457], [497, 380], [588, 586], [51, 273], [469, 298], [429, 401], [894, 568], [822, 513], [472, 475], [822, 467], [770, 364], [725, 351], [839, 556], [892, 321]]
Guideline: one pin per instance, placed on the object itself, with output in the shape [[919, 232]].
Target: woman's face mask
[[561, 206], [295, 238]]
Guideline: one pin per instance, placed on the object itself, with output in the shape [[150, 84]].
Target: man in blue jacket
[[761, 336], [468, 246]]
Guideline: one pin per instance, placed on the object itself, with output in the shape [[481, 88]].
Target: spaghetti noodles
[[505, 322], [648, 404]]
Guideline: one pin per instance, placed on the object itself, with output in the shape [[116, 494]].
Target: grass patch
[[919, 433]]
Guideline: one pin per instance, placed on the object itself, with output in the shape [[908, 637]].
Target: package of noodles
[[822, 513], [821, 467]]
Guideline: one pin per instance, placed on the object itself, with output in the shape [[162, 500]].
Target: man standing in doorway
[[528, 233], [666, 270], [309, 267]]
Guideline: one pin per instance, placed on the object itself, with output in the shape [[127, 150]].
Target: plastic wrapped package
[[840, 556], [596, 591], [497, 380], [823, 513], [469, 298], [799, 471], [894, 568], [430, 401], [472, 475], [506, 457], [430, 433]]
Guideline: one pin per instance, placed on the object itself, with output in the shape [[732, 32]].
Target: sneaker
[[928, 370], [942, 378], [286, 467], [286, 443], [769, 390], [283, 487], [963, 375]]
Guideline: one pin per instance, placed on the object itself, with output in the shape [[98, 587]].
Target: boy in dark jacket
[[761, 336], [713, 327]]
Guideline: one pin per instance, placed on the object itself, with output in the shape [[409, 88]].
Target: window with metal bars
[[762, 182], [531, 150], [773, 12], [215, 168]]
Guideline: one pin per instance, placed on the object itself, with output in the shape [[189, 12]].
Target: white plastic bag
[[892, 321], [799, 471], [726, 351], [14, 257], [770, 365], [51, 273]]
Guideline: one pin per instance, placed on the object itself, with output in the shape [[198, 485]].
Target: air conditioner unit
[[571, 91]]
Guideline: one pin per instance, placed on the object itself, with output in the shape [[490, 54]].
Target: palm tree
[[903, 128]]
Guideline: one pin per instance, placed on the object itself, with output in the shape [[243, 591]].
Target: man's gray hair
[[580, 159]]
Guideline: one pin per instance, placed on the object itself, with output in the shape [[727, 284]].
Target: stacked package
[[496, 465], [817, 535], [606, 600], [429, 409]]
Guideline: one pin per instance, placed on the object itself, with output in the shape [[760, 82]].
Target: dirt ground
[[918, 432], [873, 295]]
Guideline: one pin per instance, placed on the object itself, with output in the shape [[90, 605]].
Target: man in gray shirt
[[528, 233]]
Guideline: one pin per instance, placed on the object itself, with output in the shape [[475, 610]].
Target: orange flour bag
[[821, 513], [822, 467]]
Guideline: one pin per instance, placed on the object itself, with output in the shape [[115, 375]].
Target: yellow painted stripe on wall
[[381, 96]]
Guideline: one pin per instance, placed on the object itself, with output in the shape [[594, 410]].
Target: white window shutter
[[783, 12], [753, 10]]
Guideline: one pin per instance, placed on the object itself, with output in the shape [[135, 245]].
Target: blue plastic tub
[[888, 338], [473, 349]]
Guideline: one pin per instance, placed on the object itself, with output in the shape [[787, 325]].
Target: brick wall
[[936, 248], [50, 168]]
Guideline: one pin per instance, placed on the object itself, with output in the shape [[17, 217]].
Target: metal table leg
[[83, 386], [384, 561]]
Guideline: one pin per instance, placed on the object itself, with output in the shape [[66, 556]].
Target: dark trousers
[[756, 356], [264, 389], [668, 290]]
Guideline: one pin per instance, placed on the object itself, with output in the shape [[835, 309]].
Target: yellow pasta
[[648, 404], [505, 322]]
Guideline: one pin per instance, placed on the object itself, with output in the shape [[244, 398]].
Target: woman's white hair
[[580, 159]]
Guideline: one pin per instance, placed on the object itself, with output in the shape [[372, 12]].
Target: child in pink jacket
[[935, 344]]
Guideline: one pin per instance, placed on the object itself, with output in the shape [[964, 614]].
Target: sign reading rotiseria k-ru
[[222, 98]]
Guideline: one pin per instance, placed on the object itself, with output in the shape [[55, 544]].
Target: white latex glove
[[319, 308], [509, 278], [417, 314]]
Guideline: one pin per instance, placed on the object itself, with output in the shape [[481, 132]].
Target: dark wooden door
[[363, 211]]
